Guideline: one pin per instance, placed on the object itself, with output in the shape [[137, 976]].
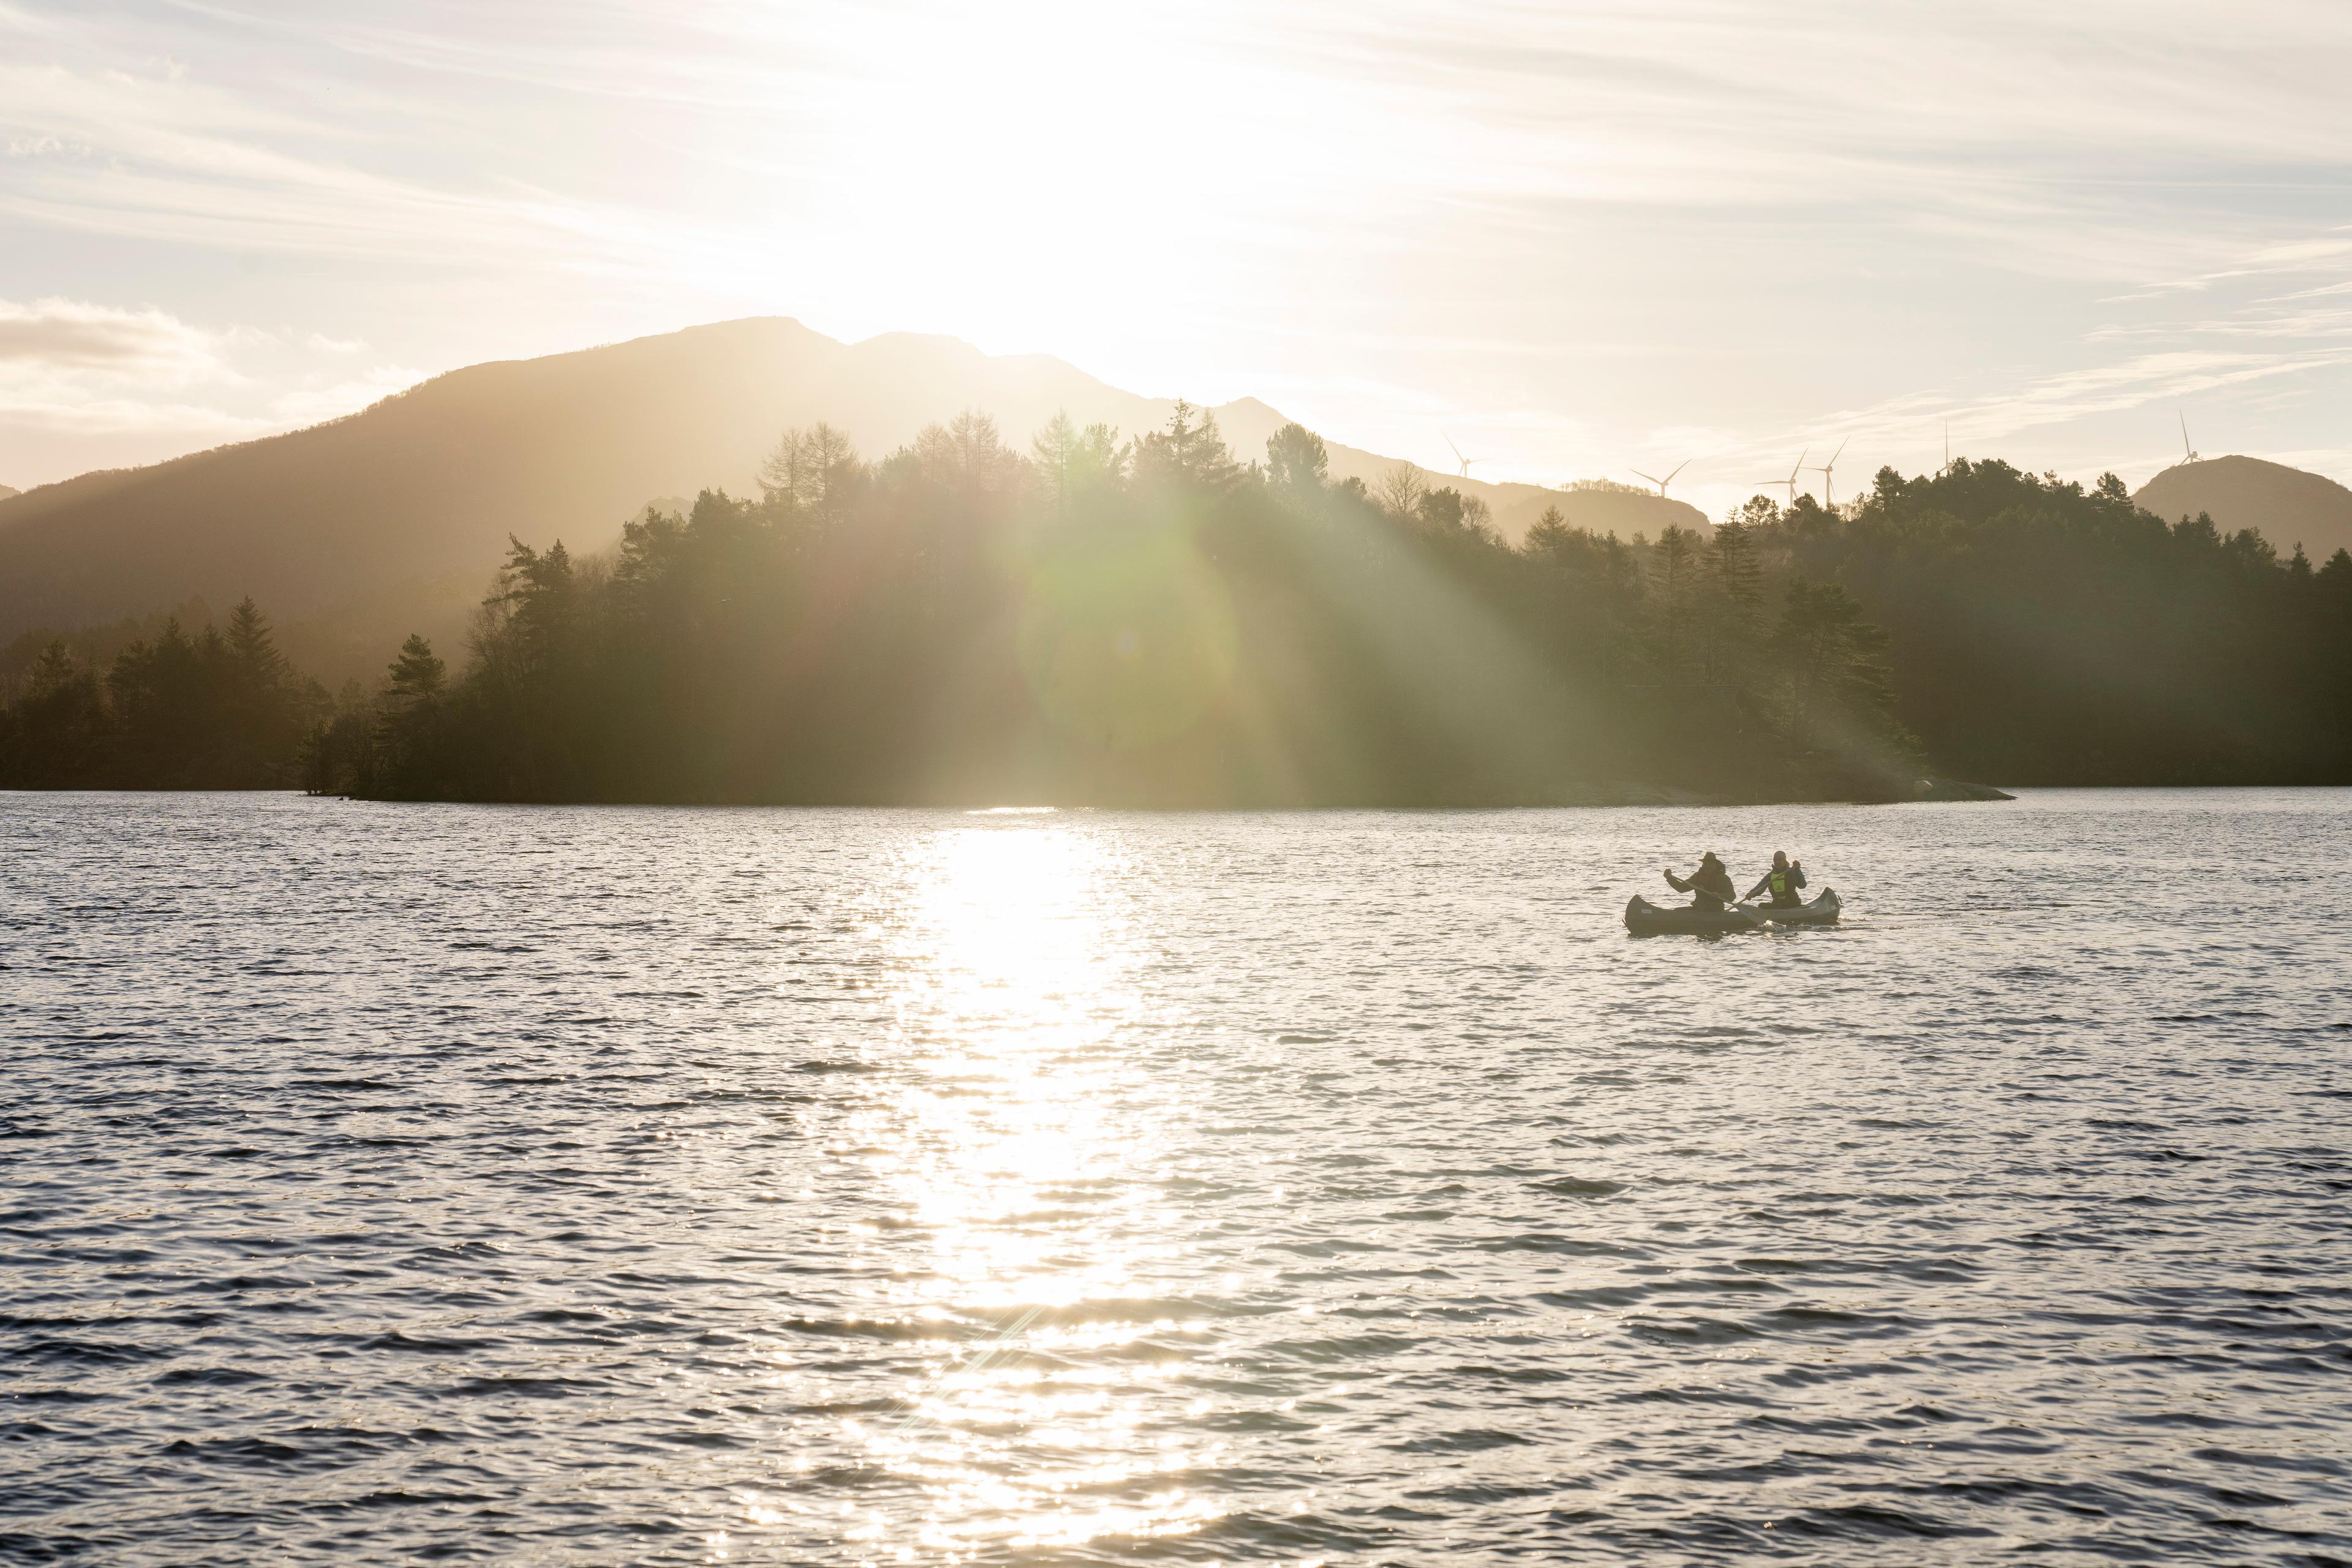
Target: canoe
[[1643, 918], [1819, 912]]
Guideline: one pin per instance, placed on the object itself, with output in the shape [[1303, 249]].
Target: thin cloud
[[1610, 225], [157, 157], [71, 367], [52, 336]]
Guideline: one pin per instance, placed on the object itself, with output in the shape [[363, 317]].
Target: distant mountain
[[2286, 505], [1606, 509], [5, 491], [408, 504], [1601, 509]]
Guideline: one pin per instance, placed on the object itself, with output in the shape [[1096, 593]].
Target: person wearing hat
[[1782, 881], [1710, 887]]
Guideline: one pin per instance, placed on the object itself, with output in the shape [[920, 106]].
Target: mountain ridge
[[424, 487]]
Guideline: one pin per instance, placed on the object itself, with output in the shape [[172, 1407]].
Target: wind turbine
[[1792, 481], [2184, 439], [1828, 472], [1661, 484], [1465, 462]]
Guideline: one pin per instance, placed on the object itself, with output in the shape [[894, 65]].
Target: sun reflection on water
[[1020, 1141]]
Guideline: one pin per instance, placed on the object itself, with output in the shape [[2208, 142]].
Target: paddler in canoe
[[1782, 881], [1710, 887]]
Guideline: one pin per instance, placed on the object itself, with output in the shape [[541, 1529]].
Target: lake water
[[595, 1186]]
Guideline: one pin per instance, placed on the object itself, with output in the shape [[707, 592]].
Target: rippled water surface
[[602, 1186]]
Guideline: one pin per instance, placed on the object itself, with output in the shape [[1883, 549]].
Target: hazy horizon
[[1581, 245]]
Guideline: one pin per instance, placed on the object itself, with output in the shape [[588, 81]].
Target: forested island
[[1154, 622]]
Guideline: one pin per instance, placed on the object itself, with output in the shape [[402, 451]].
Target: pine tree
[[1835, 662], [253, 647], [1189, 455], [56, 736], [53, 671], [417, 675], [1297, 461], [1674, 572], [1732, 601], [1073, 465]]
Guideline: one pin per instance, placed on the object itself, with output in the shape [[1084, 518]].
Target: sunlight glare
[[1021, 1143]]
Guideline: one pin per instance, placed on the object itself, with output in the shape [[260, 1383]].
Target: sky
[[1576, 240]]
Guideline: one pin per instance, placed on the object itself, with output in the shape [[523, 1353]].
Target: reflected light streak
[[1020, 1141]]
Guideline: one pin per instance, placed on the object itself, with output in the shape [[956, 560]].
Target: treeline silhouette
[[1155, 622], [1141, 622], [218, 708], [2049, 634]]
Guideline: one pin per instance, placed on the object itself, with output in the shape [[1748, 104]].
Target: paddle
[[1689, 885]]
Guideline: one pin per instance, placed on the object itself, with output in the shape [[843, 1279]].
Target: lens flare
[[1127, 636]]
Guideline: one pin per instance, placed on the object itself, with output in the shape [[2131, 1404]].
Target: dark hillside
[[421, 485], [2046, 633]]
